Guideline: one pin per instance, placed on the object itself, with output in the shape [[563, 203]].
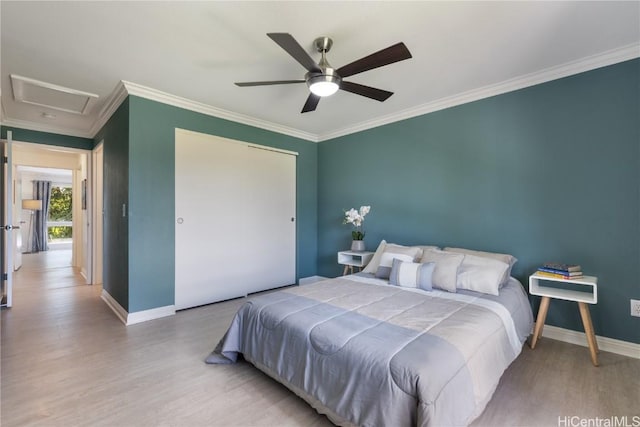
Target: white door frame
[[97, 209], [7, 221], [87, 227]]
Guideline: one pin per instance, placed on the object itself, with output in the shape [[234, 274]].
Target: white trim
[[198, 107], [138, 316], [277, 150], [309, 280], [589, 63], [623, 348], [114, 100], [151, 314], [124, 88], [193, 133], [114, 306]]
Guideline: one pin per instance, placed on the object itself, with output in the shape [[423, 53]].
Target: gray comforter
[[366, 353]]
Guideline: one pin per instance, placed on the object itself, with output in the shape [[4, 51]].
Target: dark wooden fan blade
[[395, 53], [311, 104], [274, 82], [293, 48], [369, 92]]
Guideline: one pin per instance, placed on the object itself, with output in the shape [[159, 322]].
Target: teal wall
[[25, 135], [550, 172], [546, 173], [115, 261], [152, 194]]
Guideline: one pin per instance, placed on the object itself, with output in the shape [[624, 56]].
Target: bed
[[364, 352]]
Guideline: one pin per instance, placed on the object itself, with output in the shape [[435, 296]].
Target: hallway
[[53, 315], [55, 265]]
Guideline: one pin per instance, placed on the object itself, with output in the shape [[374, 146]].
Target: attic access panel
[[35, 92]]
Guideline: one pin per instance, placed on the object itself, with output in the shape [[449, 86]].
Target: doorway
[[56, 229], [69, 223]]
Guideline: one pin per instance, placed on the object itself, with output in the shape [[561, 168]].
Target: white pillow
[[506, 258], [372, 267], [481, 274], [412, 274], [426, 248], [391, 252], [445, 272]]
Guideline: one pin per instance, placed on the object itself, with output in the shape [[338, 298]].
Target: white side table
[[588, 296], [353, 259]]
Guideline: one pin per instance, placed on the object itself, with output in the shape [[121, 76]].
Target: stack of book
[[560, 271]]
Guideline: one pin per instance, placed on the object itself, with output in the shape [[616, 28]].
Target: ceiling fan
[[324, 80]]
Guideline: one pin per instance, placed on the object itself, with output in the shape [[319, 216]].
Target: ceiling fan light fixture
[[324, 84], [323, 80]]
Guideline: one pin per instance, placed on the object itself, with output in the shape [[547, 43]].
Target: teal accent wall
[[25, 135], [115, 260], [546, 173], [152, 194]]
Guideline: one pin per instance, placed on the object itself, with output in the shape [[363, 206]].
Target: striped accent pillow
[[412, 274]]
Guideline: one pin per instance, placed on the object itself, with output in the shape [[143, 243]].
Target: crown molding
[[198, 107], [125, 88], [117, 97], [589, 63]]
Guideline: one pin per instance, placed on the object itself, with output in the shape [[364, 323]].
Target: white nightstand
[[351, 259], [588, 296]]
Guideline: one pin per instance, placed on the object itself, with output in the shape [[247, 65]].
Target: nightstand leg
[[542, 316], [588, 330], [346, 269]]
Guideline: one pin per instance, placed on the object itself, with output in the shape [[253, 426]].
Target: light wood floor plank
[[68, 361]]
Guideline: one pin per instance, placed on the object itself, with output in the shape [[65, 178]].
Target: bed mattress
[[370, 354]]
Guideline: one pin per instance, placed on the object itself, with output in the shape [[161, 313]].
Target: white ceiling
[[197, 50]]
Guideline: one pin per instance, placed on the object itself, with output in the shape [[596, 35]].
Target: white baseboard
[[154, 313], [623, 348], [138, 316], [309, 280], [114, 306]]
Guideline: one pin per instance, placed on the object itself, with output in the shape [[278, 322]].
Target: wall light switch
[[635, 308]]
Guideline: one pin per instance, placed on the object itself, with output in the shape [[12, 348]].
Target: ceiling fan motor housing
[[323, 44], [327, 77]]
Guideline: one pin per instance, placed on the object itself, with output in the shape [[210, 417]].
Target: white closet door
[[271, 226], [232, 203]]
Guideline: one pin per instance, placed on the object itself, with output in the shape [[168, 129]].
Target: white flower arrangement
[[356, 218]]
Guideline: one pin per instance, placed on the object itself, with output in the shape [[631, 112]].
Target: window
[[59, 221]]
